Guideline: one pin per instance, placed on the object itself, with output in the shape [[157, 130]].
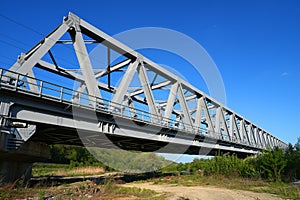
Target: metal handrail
[[48, 90]]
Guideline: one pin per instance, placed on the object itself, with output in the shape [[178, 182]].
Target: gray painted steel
[[183, 117]]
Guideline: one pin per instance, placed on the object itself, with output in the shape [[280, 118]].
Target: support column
[[16, 164], [11, 171]]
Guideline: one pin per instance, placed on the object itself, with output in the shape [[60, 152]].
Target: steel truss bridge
[[129, 102]]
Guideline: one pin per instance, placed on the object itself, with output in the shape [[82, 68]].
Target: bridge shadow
[[117, 177]]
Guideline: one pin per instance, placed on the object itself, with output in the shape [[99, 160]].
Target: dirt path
[[206, 193]]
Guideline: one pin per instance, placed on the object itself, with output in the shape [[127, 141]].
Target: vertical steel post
[[41, 88], [61, 94], [108, 67], [1, 71], [17, 80]]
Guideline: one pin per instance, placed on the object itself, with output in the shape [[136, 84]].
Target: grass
[[42, 170], [80, 190], [12, 190], [283, 190], [138, 192], [110, 190]]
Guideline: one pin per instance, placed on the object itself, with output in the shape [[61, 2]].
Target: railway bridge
[[129, 102]]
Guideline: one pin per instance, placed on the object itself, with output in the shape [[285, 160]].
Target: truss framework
[[141, 84]]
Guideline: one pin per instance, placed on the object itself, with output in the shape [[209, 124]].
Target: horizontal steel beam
[[221, 122]]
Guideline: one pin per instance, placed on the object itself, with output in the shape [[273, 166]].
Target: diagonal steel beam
[[82, 86], [222, 118], [53, 69], [189, 98], [258, 133], [125, 82], [255, 139], [85, 65], [29, 60], [207, 115], [250, 133], [153, 87], [243, 130], [217, 121], [261, 140], [238, 126], [246, 131], [147, 90], [236, 129], [198, 113], [184, 106], [263, 135], [231, 126], [32, 82], [171, 100], [113, 68], [68, 74]]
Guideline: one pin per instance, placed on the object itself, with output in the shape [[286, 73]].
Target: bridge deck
[[144, 107], [141, 132]]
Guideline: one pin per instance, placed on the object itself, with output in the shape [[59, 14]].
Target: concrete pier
[[16, 165]]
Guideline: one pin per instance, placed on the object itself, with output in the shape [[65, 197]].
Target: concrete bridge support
[[16, 164]]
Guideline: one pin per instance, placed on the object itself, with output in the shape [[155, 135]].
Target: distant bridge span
[[130, 103]]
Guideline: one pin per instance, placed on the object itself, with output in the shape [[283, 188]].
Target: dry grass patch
[[40, 170], [86, 171]]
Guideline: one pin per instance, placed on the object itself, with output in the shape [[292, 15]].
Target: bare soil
[[176, 192]]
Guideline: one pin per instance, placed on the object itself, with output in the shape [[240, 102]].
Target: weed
[[135, 191], [68, 192], [41, 194]]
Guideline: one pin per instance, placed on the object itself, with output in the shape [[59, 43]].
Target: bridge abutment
[[12, 170], [16, 164]]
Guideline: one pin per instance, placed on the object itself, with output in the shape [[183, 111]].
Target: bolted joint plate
[[73, 21]]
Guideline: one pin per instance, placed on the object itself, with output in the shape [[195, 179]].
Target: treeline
[[109, 159], [272, 164], [275, 165], [73, 155]]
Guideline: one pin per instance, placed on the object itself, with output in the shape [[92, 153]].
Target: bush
[[229, 166], [272, 164]]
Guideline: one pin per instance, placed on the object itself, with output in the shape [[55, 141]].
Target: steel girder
[[143, 85]]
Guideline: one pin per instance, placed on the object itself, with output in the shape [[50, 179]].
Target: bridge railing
[[51, 91]]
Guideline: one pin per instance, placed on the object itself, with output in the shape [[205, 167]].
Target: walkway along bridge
[[129, 103]]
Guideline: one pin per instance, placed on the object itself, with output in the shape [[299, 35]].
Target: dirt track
[[206, 193]]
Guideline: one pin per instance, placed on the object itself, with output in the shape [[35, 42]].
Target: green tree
[[290, 171], [297, 145], [297, 163], [273, 163], [292, 155]]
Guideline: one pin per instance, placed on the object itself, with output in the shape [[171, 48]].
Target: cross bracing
[[122, 80]]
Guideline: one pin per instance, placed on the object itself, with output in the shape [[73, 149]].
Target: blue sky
[[255, 44]]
